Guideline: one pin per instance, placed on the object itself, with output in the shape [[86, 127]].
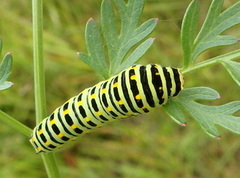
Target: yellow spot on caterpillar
[[98, 84], [134, 67], [120, 102], [104, 90], [160, 88], [138, 97], [144, 107], [58, 147], [133, 77], [39, 149], [115, 84], [60, 135], [52, 122], [157, 74], [109, 108], [99, 113], [87, 119], [47, 143], [93, 96], [73, 126], [66, 112], [40, 131], [85, 132], [80, 103], [72, 139], [130, 113]]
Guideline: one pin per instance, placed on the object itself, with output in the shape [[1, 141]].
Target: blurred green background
[[150, 145]]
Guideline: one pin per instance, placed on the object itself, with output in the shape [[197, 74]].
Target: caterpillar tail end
[[37, 149]]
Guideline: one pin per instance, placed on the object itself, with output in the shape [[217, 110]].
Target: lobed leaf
[[139, 34], [213, 26], [109, 28], [135, 55], [214, 42], [227, 19], [213, 13], [189, 26], [130, 34], [5, 71], [175, 112], [208, 116], [5, 85], [96, 56], [233, 68], [119, 43], [130, 14]]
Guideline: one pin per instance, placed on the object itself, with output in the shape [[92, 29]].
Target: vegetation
[[139, 147]]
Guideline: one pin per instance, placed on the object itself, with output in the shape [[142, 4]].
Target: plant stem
[[50, 165], [39, 80], [15, 124], [200, 65], [39, 77], [229, 56]]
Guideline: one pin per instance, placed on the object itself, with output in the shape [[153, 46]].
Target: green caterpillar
[[133, 91]]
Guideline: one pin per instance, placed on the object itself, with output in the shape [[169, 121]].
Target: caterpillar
[[133, 91]]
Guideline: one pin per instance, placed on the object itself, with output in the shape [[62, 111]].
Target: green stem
[[200, 66], [229, 56], [50, 165], [39, 77], [39, 80], [15, 124]]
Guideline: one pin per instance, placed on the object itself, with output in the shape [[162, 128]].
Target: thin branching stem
[[39, 80], [229, 56], [199, 66], [15, 124]]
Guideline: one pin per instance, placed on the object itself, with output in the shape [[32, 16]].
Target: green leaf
[[175, 112], [96, 57], [214, 24], [109, 28], [189, 26], [130, 34], [5, 85], [139, 34], [122, 48], [214, 42], [227, 19], [5, 71], [136, 55], [130, 14], [210, 34], [209, 116], [233, 68], [213, 13], [91, 62], [5, 67]]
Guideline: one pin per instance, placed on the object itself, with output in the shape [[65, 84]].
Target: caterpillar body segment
[[133, 91]]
